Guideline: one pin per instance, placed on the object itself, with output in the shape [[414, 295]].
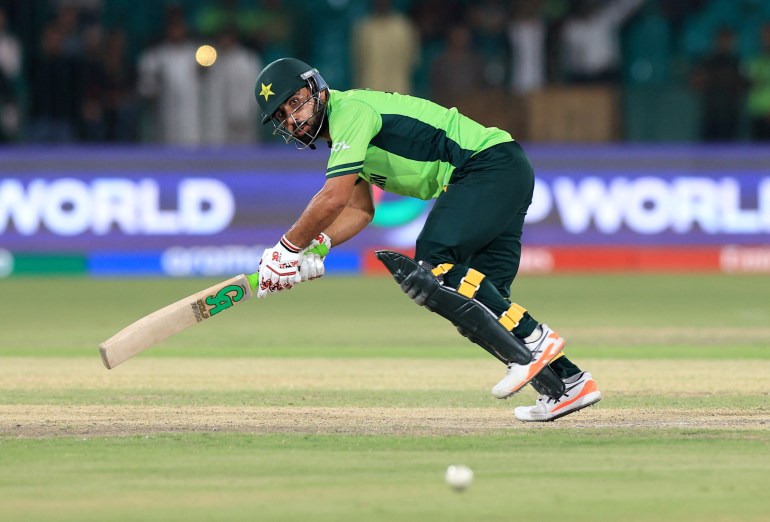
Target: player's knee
[[423, 283]]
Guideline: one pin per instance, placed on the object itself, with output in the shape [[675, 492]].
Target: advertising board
[[182, 212]]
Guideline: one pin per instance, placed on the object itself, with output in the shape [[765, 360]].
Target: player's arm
[[344, 203], [356, 215], [281, 266], [323, 210]]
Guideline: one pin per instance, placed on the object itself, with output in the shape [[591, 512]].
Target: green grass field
[[341, 400]]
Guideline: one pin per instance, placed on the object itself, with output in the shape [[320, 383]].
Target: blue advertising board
[[212, 212]]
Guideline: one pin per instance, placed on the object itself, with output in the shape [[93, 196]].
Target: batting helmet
[[282, 78], [278, 81]]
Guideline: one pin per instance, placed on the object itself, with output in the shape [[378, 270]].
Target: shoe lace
[[549, 400], [535, 347], [546, 399]]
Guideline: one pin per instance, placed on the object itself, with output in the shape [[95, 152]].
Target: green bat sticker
[[225, 298]]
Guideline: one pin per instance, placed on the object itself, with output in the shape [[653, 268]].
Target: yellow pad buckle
[[442, 269], [469, 284], [511, 317]]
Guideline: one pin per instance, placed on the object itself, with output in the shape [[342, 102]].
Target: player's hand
[[279, 268], [320, 245], [311, 265]]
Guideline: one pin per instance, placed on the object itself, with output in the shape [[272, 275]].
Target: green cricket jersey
[[402, 144]]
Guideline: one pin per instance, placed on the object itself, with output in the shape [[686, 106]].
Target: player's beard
[[313, 124]]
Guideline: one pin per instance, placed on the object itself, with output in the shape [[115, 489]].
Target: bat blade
[[161, 324]]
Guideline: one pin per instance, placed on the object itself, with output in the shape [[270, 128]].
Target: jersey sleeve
[[352, 126]]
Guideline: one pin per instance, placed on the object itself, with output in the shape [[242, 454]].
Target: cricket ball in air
[[206, 55], [459, 477]]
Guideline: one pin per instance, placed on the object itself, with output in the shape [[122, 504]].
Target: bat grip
[[253, 280]]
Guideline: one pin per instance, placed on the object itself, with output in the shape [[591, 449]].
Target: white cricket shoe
[[543, 351], [578, 394]]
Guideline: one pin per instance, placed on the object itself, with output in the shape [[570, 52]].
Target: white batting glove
[[311, 265], [279, 268]]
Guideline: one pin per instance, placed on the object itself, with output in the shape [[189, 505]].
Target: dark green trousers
[[477, 223]]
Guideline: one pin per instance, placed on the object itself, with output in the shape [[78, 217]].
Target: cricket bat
[[154, 328]]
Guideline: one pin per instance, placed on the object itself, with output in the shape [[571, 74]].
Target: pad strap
[[511, 317], [442, 269], [469, 284], [472, 318]]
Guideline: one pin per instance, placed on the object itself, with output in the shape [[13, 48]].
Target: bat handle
[[253, 280]]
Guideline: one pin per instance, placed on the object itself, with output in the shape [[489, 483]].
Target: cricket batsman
[[468, 252]]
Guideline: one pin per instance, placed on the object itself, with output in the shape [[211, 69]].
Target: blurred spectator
[[214, 17], [169, 78], [590, 40], [10, 70], [229, 105], [722, 87], [90, 9], [386, 49], [648, 49], [266, 27], [527, 35], [92, 109], [120, 111], [488, 19], [433, 19], [68, 22], [269, 29], [759, 91], [55, 90], [677, 13], [458, 71]]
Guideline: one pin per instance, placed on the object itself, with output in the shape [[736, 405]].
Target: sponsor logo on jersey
[[340, 145]]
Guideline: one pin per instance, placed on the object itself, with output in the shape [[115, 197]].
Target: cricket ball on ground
[[459, 477]]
